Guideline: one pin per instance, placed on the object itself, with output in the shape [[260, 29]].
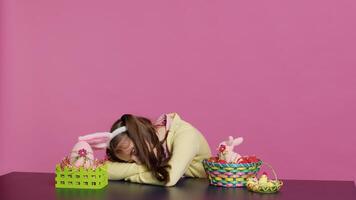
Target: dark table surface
[[23, 185]]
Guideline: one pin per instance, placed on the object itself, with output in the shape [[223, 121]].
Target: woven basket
[[81, 178], [274, 186], [230, 174]]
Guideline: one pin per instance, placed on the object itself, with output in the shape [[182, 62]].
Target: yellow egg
[[263, 179]]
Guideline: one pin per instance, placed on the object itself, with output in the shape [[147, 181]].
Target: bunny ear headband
[[101, 140]]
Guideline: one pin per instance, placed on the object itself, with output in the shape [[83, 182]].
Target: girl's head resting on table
[[139, 144]]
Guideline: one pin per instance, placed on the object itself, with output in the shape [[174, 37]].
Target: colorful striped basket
[[230, 174]]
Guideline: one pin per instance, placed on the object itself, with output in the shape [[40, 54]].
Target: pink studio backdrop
[[279, 73]]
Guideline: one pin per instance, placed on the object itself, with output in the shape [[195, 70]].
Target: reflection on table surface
[[23, 185], [187, 188]]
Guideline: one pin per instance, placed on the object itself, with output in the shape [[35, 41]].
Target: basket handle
[[271, 168]]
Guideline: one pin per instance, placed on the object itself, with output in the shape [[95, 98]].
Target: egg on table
[[82, 155]]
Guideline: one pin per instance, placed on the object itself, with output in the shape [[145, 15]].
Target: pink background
[[280, 73]]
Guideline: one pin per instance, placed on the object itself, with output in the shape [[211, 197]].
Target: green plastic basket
[[81, 178]]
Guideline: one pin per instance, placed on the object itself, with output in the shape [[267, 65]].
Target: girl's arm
[[185, 147], [118, 170]]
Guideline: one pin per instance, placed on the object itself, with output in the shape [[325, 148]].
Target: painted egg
[[82, 155]]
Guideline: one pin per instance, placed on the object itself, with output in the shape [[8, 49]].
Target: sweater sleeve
[[184, 148], [118, 170]]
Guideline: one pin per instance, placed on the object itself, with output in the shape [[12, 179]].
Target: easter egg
[[247, 159], [263, 179], [82, 155], [242, 160], [252, 159], [213, 159]]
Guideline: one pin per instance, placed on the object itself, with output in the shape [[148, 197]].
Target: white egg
[[82, 155]]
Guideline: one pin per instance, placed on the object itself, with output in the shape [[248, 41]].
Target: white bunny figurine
[[226, 149]]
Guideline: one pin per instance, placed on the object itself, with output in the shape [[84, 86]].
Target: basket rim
[[277, 183], [66, 169], [272, 189], [233, 164]]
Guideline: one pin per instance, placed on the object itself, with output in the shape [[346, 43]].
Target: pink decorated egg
[[82, 155]]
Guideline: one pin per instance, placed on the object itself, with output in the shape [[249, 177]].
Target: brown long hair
[[142, 131]]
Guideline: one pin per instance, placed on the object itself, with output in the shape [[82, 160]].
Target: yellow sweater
[[189, 149]]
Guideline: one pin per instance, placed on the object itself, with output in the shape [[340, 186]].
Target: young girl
[[158, 153]]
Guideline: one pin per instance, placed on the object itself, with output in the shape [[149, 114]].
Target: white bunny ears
[[234, 142], [101, 140]]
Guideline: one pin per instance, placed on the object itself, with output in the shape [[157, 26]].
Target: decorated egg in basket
[[82, 155]]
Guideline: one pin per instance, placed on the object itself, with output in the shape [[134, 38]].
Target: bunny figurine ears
[[234, 141], [226, 149], [101, 140]]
